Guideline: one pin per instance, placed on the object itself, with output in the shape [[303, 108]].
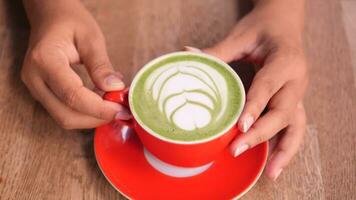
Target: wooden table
[[39, 160]]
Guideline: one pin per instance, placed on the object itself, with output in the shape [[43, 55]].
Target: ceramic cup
[[178, 158]]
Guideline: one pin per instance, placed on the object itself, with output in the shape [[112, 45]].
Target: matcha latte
[[186, 97]]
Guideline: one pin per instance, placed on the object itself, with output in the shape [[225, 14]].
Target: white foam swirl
[[189, 94]]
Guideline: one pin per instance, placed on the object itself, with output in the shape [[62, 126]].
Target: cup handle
[[120, 97]]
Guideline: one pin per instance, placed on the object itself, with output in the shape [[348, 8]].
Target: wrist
[[46, 11], [285, 13]]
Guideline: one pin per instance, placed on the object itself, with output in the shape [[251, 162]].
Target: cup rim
[[180, 53]]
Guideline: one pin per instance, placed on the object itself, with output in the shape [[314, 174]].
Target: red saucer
[[122, 161]]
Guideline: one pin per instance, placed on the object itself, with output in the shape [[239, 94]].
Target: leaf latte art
[[187, 94], [186, 97]]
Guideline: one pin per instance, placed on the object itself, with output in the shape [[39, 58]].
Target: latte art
[[186, 97], [187, 94]]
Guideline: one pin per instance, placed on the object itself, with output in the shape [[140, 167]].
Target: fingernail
[[114, 82], [193, 49], [115, 106], [122, 115], [247, 123], [277, 174], [240, 149]]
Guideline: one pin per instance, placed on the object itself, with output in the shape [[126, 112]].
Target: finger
[[64, 116], [288, 145], [69, 88], [281, 109], [235, 46], [267, 81], [92, 51], [192, 49]]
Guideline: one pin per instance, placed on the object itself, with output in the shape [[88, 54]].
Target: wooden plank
[[349, 17], [330, 99]]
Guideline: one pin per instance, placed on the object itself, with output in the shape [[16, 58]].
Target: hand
[[64, 33], [271, 35]]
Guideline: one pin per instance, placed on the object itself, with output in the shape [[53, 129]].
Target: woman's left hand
[[271, 36]]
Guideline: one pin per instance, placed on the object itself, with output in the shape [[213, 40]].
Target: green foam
[[147, 112]]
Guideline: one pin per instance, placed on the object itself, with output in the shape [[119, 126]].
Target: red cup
[[177, 153]]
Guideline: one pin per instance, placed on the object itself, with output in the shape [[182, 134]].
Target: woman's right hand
[[64, 33]]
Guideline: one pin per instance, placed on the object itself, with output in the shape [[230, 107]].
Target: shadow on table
[[245, 70], [18, 33], [243, 7]]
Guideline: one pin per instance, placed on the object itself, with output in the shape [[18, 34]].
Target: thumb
[[233, 47], [93, 54]]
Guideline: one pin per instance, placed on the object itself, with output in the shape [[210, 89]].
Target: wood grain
[[331, 98], [349, 16], [39, 160]]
